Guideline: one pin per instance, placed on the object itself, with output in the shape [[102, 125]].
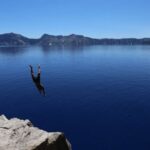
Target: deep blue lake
[[99, 96]]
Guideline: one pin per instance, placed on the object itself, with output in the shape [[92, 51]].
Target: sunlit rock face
[[16, 134]]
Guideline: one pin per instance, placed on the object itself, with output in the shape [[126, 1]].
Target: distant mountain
[[12, 39], [72, 39]]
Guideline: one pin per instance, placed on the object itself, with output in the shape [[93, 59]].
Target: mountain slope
[[12, 39]]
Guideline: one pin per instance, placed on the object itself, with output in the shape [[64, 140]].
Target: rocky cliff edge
[[16, 134]]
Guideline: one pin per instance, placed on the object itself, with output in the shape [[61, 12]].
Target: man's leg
[[32, 73], [39, 74], [39, 69]]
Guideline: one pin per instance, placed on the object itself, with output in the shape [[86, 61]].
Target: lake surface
[[99, 96]]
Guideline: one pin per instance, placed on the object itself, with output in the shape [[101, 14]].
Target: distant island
[[13, 39]]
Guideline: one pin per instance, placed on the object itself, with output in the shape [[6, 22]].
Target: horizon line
[[86, 36]]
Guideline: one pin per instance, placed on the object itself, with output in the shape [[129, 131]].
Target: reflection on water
[[62, 47], [21, 50], [70, 49], [12, 50]]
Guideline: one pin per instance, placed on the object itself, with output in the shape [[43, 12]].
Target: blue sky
[[94, 18]]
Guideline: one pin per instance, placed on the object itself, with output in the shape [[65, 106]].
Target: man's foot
[[30, 66]]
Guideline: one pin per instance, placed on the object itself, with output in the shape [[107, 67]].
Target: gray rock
[[16, 134]]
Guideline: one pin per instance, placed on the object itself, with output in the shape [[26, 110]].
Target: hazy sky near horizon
[[94, 18]]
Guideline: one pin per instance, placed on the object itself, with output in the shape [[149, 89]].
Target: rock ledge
[[16, 134]]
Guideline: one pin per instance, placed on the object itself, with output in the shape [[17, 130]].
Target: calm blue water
[[99, 96]]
